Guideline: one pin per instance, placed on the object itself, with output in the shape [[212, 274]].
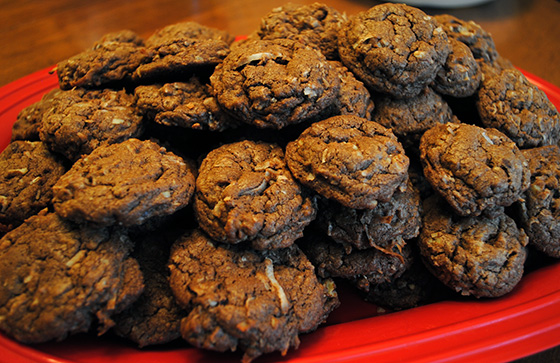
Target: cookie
[[181, 48], [353, 97], [409, 118], [183, 104], [539, 206], [245, 192], [460, 75], [473, 168], [109, 62], [519, 109], [315, 24], [380, 227], [478, 256], [28, 170], [60, 278], [241, 299], [28, 121], [332, 259], [352, 160], [81, 120], [126, 183], [478, 40], [393, 48], [275, 83]]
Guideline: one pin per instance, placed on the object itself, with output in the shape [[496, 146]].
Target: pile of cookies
[[193, 186]]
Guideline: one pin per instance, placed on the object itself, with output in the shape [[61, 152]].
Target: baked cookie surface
[[26, 126]]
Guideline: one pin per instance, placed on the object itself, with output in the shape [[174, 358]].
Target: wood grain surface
[[36, 34]]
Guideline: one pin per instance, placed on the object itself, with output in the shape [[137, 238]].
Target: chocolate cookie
[[539, 206], [380, 227], [28, 170], [110, 61], [460, 75], [332, 259], [393, 48], [125, 183], [315, 24], [409, 118], [473, 168], [257, 302], [275, 83], [470, 33], [26, 126], [519, 109], [181, 48], [184, 104], [480, 256], [353, 97], [81, 120], [357, 162], [59, 278], [245, 192]]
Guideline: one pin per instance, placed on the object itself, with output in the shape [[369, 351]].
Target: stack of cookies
[[193, 186]]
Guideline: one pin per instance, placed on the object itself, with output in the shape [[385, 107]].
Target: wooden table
[[35, 34]]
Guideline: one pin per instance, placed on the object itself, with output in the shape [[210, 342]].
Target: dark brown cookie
[[125, 183], [275, 83], [29, 119], [245, 192], [480, 256], [350, 159], [181, 48], [470, 33], [380, 227], [315, 24], [60, 278], [110, 61], [81, 120], [353, 97], [409, 118], [473, 168], [257, 302], [519, 109], [393, 48], [540, 204], [155, 318], [332, 259], [184, 104], [460, 75], [28, 170]]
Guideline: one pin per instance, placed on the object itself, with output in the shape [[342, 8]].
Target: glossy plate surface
[[524, 322]]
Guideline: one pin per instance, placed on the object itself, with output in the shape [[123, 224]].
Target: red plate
[[524, 322]]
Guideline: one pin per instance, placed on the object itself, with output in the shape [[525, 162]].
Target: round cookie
[[473, 168], [508, 102], [350, 159], [275, 83], [185, 104], [257, 302], [28, 171], [393, 48], [245, 192], [409, 118], [126, 183], [380, 227], [478, 40], [81, 120], [110, 61], [315, 24], [26, 126], [353, 98], [332, 259], [460, 75], [539, 206], [181, 48], [481, 256], [59, 278]]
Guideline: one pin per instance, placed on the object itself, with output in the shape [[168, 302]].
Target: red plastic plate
[[524, 322]]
